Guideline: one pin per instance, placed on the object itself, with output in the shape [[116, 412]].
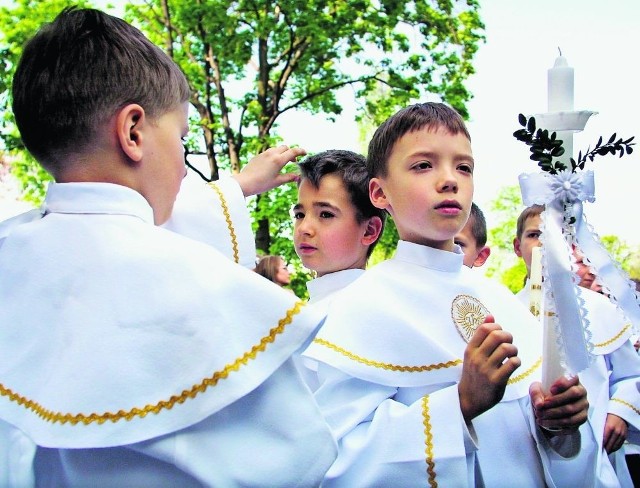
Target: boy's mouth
[[448, 205], [306, 248]]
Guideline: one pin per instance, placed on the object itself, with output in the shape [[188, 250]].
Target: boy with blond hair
[[131, 354], [612, 380], [416, 379]]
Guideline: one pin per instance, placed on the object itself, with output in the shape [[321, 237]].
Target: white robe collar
[[325, 286], [428, 257], [96, 198]]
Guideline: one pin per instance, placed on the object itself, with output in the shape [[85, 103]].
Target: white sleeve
[[624, 394], [17, 452], [215, 213], [384, 442]]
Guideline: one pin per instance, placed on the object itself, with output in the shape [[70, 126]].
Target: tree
[[250, 61]]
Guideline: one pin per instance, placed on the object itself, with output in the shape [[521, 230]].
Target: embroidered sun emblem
[[467, 313]]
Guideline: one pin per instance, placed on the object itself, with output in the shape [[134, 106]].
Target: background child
[[336, 226], [612, 380], [274, 269], [472, 239], [410, 362], [134, 355]]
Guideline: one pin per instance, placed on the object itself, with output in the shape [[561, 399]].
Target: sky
[[599, 39]]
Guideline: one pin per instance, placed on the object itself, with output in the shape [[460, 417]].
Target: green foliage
[[544, 147], [387, 244], [514, 276], [248, 62]]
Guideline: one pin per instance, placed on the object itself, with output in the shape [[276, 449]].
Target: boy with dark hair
[[336, 226], [412, 368], [472, 239], [131, 354], [612, 379]]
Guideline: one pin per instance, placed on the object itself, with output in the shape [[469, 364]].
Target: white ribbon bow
[[563, 194]]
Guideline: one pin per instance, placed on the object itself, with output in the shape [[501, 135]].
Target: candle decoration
[[562, 186]]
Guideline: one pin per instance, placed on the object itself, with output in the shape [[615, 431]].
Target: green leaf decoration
[[545, 146]]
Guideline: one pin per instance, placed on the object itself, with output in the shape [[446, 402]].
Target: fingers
[[565, 409], [615, 433]]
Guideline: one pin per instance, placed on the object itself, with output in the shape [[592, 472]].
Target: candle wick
[[560, 50]]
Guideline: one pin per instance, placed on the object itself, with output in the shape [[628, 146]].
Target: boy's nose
[[305, 227], [448, 183]]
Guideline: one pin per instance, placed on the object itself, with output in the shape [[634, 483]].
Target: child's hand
[[615, 433], [564, 410], [489, 360], [262, 173]]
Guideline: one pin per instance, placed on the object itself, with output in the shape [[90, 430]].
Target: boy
[[127, 359], [472, 239], [336, 226], [403, 405], [612, 380]]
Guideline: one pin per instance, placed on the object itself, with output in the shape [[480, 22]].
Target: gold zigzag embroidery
[[73, 419], [414, 369], [626, 404], [614, 338], [227, 216], [522, 376], [392, 367], [428, 441]]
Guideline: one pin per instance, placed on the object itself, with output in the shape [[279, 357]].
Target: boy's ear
[[516, 247], [376, 194], [483, 255], [130, 121], [372, 231]]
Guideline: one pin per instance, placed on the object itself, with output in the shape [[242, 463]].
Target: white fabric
[[322, 290], [379, 332], [611, 382], [103, 312], [199, 213]]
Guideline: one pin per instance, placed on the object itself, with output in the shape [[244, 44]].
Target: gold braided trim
[[627, 404], [428, 441], [392, 367], [528, 372], [73, 419], [227, 216], [614, 338]]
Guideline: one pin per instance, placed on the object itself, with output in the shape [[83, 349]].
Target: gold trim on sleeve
[[389, 366], [428, 442], [626, 404], [227, 216], [614, 338], [213, 380]]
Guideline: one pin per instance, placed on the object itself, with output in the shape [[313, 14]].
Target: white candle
[[551, 367], [535, 282], [560, 86]]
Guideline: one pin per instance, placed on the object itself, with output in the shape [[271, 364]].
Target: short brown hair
[[415, 117], [527, 213], [77, 72]]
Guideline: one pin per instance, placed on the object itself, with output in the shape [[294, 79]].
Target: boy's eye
[[298, 215], [534, 235], [467, 168], [326, 215], [459, 243], [422, 165]]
